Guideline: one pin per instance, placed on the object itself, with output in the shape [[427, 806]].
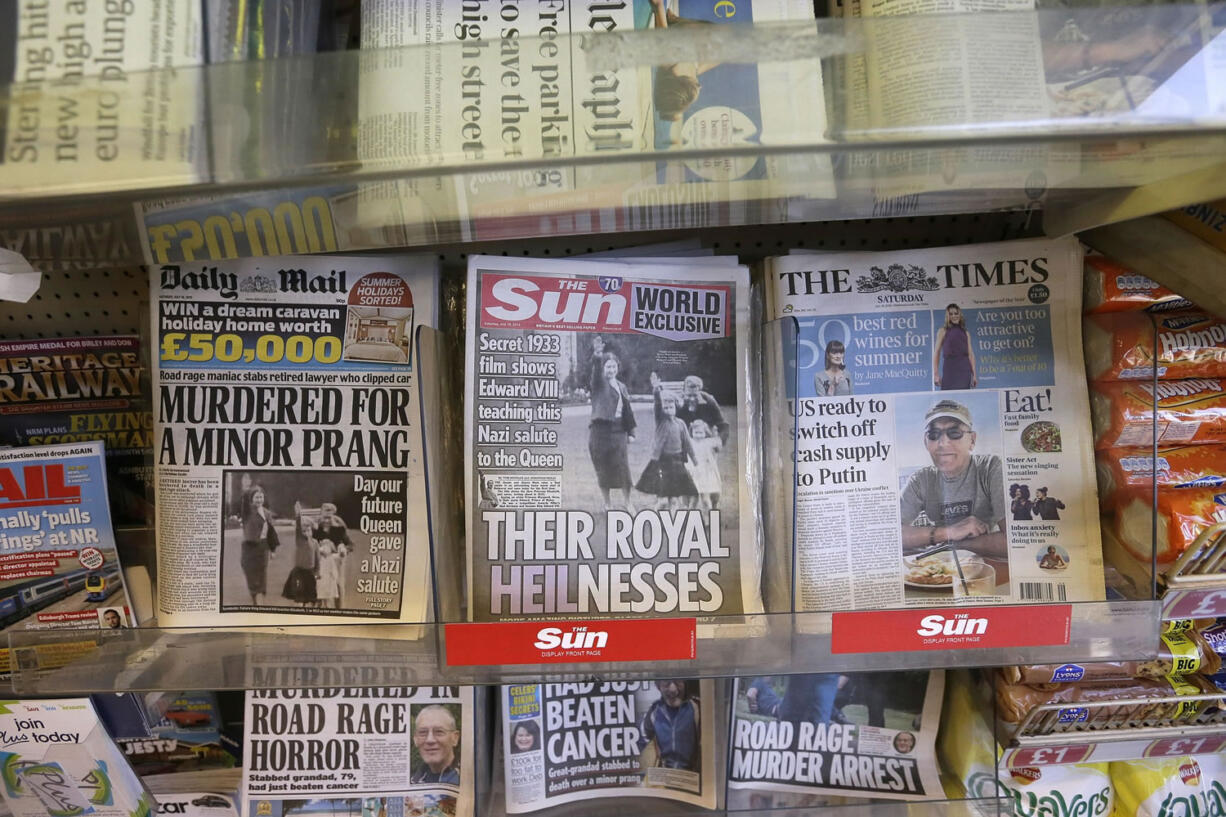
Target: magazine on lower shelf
[[799, 733], [943, 418], [58, 760], [564, 743], [380, 750], [59, 567], [608, 446], [287, 442]]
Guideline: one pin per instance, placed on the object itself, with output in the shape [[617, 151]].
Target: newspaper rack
[[1078, 161], [1101, 731]]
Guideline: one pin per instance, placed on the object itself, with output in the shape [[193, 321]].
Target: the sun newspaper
[[943, 444], [564, 743], [287, 449], [608, 440]]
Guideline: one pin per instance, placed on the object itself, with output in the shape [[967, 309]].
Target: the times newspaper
[[502, 82], [63, 390], [59, 567], [567, 742], [866, 734], [287, 442], [383, 751], [58, 759], [608, 440], [88, 114], [943, 443]]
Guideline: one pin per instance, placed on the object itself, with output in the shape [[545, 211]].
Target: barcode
[[1042, 591]]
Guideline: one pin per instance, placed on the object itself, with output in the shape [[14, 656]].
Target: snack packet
[[1182, 516], [1112, 287], [1185, 466], [1130, 345], [1159, 787], [1190, 412], [1080, 790]]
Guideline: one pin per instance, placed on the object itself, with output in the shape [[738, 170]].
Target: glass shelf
[[811, 120], [149, 658]]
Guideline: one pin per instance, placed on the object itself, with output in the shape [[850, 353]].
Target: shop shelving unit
[[1020, 175]]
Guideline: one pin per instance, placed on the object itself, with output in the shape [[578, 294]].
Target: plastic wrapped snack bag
[[1082, 790], [1166, 787]]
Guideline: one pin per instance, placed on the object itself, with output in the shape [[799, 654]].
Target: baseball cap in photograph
[[951, 409]]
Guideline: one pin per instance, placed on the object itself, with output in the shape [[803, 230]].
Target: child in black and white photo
[[665, 475], [705, 470]]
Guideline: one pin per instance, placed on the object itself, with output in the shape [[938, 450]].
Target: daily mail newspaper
[[608, 440], [567, 742], [943, 443], [865, 734], [59, 566], [287, 442], [397, 750]]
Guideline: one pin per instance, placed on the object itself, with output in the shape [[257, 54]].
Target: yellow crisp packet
[[1160, 787], [1080, 790]]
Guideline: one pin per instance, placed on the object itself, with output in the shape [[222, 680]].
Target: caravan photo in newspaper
[[567, 742], [863, 734], [377, 751], [58, 563], [943, 443], [287, 448], [608, 440]]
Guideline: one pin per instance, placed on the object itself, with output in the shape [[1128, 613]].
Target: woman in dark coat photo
[[300, 584], [612, 425], [259, 541]]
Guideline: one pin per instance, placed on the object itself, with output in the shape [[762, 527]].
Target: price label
[[1173, 747], [1050, 755], [1194, 604]]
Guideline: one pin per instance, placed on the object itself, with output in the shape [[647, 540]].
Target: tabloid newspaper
[[58, 563], [57, 759], [384, 751], [866, 734], [87, 114], [64, 390], [567, 742], [504, 82], [943, 443], [287, 441], [608, 440]]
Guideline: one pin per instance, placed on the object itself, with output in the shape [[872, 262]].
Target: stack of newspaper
[[942, 416]]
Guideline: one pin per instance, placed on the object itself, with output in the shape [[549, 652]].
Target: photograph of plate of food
[[1041, 437], [936, 572]]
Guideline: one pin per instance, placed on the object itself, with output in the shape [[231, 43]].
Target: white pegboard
[[115, 301]]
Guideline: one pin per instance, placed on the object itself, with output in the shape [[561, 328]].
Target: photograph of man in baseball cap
[[961, 494]]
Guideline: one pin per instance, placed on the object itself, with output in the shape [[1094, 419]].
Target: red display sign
[[1207, 603], [1173, 747], [544, 642], [951, 628], [1049, 755]]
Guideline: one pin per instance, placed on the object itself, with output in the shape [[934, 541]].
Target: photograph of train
[[52, 601]]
